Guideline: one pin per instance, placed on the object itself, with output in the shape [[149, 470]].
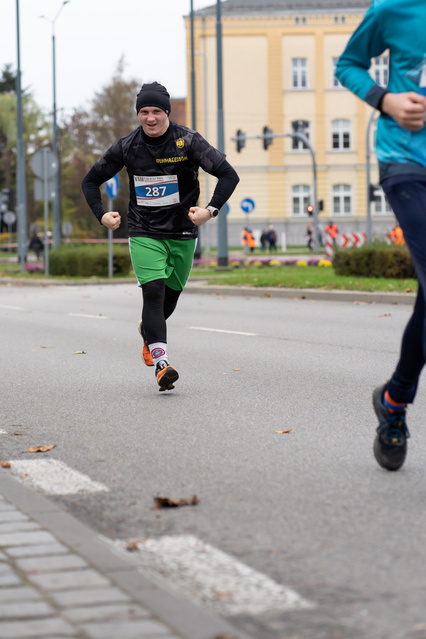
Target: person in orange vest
[[332, 230], [397, 236], [251, 241], [244, 239]]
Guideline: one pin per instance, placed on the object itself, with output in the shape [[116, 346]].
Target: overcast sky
[[91, 37]]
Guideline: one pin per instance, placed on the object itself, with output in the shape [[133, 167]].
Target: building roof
[[275, 6]]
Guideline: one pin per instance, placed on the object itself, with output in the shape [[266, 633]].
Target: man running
[[400, 27], [162, 160]]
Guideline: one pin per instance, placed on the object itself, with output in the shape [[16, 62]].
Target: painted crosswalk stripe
[[53, 477], [221, 330], [214, 578]]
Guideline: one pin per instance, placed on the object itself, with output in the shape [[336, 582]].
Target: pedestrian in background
[[399, 27], [162, 160], [36, 245]]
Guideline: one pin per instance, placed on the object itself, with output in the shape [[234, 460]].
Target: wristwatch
[[213, 211]]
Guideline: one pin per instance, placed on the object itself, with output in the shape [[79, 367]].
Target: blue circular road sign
[[112, 186], [247, 205]]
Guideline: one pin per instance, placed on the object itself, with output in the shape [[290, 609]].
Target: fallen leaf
[[167, 502], [5, 464], [41, 449], [47, 347], [385, 315], [80, 352], [223, 594], [237, 369], [282, 432], [132, 545]]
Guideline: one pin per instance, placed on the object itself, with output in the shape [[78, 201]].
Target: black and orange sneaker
[[145, 353], [166, 376], [390, 445]]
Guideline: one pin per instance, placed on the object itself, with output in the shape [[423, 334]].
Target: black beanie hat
[[153, 94]]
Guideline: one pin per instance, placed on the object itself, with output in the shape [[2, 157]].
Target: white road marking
[[53, 477], [220, 330], [12, 308], [84, 315], [214, 578]]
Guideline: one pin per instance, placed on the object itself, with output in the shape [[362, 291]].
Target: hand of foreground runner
[[111, 220], [408, 109], [199, 215]]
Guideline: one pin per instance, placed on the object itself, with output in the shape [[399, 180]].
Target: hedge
[[87, 261], [374, 260]]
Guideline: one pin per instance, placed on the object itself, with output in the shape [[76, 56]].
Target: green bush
[[374, 260], [88, 261]]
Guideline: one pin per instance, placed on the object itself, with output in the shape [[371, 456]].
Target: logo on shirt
[[180, 143]]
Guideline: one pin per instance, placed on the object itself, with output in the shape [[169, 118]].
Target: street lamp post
[[20, 159], [57, 197]]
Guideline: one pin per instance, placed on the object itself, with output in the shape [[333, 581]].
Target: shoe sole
[[167, 379], [380, 458]]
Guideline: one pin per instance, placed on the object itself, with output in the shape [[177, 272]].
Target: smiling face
[[154, 121]]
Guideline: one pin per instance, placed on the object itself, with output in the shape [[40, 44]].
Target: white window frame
[[300, 198], [341, 133], [382, 206], [297, 144], [381, 70], [342, 200], [299, 73]]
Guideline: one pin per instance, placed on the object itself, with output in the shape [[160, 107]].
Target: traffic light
[[310, 209], [241, 140], [268, 137], [374, 193], [321, 205], [7, 200]]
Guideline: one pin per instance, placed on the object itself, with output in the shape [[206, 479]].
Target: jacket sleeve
[[226, 184], [102, 171], [367, 42]]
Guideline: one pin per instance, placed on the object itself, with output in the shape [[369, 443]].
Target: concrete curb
[[151, 591], [303, 293], [201, 286]]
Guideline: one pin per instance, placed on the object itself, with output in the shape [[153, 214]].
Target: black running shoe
[[390, 445]]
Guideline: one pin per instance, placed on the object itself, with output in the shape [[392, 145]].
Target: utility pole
[[20, 161], [222, 228]]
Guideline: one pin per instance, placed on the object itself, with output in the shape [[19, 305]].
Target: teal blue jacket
[[398, 26]]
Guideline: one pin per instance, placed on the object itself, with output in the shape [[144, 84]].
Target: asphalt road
[[308, 509]]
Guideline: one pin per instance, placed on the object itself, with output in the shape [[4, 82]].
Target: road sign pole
[[46, 211], [110, 256]]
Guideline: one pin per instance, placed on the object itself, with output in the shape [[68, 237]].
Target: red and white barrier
[[344, 240]]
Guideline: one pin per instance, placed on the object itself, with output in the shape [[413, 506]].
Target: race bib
[[157, 190]]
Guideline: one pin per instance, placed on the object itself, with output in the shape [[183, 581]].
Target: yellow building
[[278, 68]]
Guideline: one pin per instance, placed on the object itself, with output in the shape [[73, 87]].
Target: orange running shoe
[[166, 375], [145, 353]]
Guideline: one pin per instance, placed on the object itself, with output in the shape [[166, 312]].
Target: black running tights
[[159, 302]]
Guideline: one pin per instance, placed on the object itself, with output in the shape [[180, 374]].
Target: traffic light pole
[[269, 135]]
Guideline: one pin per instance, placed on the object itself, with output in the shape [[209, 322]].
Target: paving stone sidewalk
[[60, 580], [46, 590]]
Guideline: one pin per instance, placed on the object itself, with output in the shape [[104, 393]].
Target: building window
[[340, 134], [342, 199], [299, 145], [336, 83], [381, 207], [301, 197], [299, 73], [381, 70]]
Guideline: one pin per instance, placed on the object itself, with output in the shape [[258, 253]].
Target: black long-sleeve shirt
[[163, 180]]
